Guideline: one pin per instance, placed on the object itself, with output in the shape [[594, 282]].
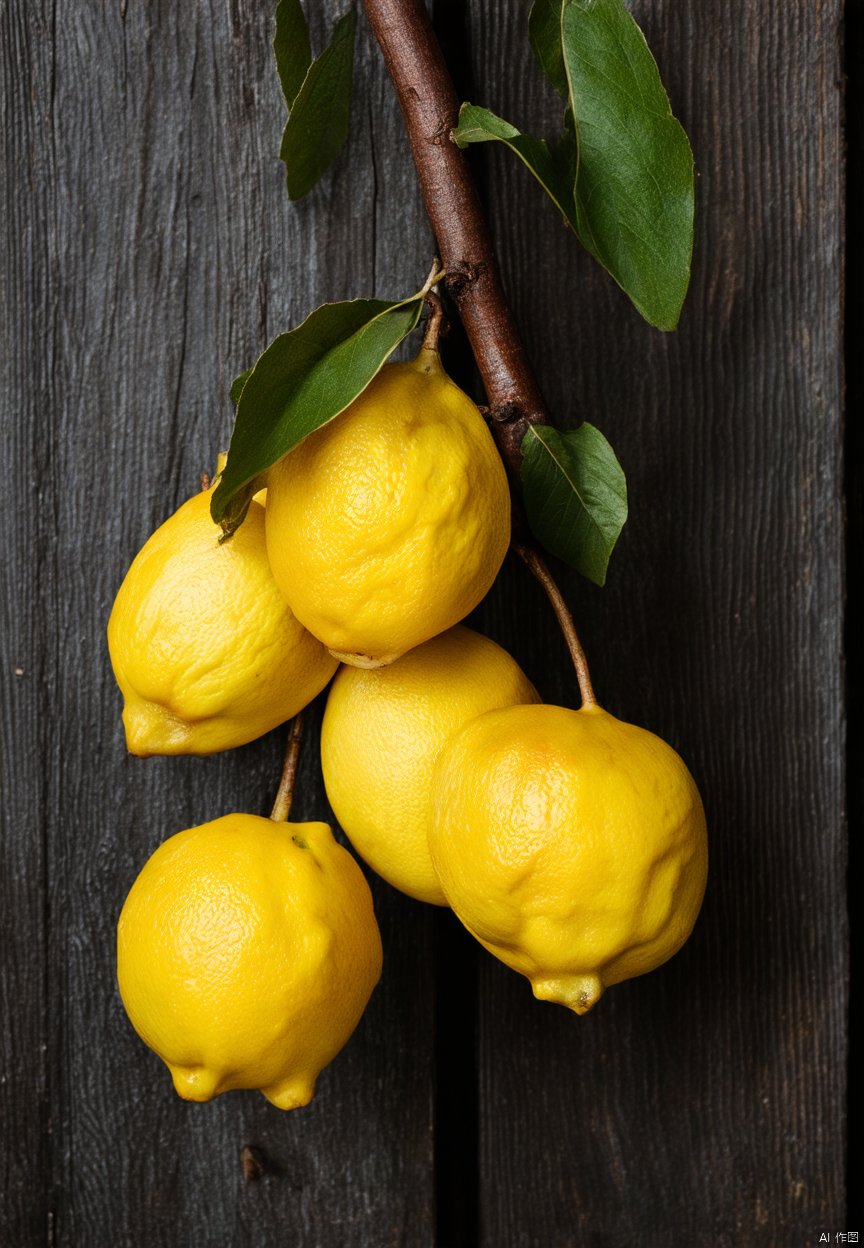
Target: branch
[[430, 108]]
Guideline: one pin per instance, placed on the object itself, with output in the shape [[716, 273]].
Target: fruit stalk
[[285, 793], [432, 332], [538, 568], [430, 108]]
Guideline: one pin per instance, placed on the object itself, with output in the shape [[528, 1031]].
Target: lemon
[[206, 651], [382, 732], [389, 524], [571, 844], [246, 953]]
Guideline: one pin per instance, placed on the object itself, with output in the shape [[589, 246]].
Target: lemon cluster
[[248, 947], [571, 845]]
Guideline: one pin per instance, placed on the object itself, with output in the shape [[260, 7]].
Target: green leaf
[[291, 48], [478, 125], [622, 171], [575, 495], [237, 386], [317, 125], [634, 186], [304, 379], [544, 32]]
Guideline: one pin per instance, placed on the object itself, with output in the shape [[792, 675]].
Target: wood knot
[[442, 133], [505, 413], [461, 276], [253, 1162]]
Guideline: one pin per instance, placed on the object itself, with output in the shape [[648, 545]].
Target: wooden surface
[[149, 252]]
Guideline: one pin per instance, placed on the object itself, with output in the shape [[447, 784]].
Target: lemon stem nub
[[282, 805], [432, 332], [537, 566]]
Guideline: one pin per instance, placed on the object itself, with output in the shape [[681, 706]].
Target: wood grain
[[155, 256], [26, 567], [694, 1106], [149, 254]]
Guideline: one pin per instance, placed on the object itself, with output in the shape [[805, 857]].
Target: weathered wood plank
[[163, 256], [702, 1104], [149, 253], [26, 580], [854, 655]]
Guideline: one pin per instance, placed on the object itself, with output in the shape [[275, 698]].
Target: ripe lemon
[[382, 732], [389, 524], [246, 953], [206, 651], [572, 845]]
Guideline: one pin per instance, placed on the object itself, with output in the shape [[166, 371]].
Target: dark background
[[149, 254]]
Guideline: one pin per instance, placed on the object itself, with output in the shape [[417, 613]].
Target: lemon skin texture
[[571, 844], [389, 524], [206, 651], [246, 953], [382, 732]]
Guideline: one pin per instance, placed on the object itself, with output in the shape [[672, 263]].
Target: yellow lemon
[[382, 732], [206, 651], [572, 845], [389, 524], [246, 953]]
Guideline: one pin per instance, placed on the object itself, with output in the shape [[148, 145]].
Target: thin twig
[[282, 805], [436, 274], [430, 108], [537, 566]]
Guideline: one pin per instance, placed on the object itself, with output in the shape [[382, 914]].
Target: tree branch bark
[[430, 108]]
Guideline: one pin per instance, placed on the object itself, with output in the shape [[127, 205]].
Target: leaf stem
[[285, 794], [436, 274], [539, 569], [430, 108]]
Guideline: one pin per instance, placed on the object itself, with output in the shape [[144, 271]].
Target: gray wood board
[[150, 254], [702, 1104]]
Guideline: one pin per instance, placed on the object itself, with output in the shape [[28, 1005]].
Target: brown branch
[[430, 109]]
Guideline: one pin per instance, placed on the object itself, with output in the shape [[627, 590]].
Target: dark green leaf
[[478, 125], [634, 188], [622, 172], [317, 125], [304, 379], [237, 386], [566, 151], [291, 48], [575, 495], [544, 31]]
